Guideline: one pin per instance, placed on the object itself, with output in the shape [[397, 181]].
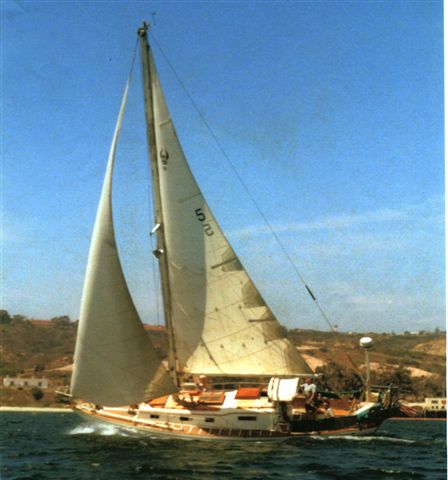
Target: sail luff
[[161, 251], [115, 362]]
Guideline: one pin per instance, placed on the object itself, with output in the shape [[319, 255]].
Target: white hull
[[156, 433], [167, 425], [152, 432]]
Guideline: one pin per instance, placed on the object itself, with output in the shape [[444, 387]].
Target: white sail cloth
[[115, 361], [221, 323]]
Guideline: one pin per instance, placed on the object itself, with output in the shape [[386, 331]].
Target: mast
[[160, 252]]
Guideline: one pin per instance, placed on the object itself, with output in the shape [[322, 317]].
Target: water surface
[[61, 445]]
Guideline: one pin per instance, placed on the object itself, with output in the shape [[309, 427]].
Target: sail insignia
[[164, 157]]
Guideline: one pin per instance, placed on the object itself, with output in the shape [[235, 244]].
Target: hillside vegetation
[[414, 362]]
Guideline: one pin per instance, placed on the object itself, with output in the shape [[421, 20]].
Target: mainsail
[[220, 322], [115, 361]]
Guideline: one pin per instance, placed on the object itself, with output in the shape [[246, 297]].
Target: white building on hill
[[22, 382]]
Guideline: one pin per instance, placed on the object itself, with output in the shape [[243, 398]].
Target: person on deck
[[203, 383], [328, 411], [310, 391]]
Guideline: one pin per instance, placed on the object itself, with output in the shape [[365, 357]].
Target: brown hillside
[[416, 362], [434, 347]]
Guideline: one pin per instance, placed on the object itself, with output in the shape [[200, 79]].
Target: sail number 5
[[201, 217]]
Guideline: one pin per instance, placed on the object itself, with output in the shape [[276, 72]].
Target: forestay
[[115, 362], [221, 323]]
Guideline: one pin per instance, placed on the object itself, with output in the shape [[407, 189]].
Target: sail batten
[[221, 323], [115, 361]]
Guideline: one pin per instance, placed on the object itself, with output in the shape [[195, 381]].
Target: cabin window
[[153, 415], [247, 418], [209, 419], [184, 419]]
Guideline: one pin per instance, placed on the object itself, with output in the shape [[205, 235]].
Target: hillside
[[415, 362], [424, 351]]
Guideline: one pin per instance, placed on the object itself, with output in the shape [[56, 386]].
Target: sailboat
[[229, 373]]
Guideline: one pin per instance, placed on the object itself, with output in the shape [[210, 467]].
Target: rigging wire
[[243, 184]]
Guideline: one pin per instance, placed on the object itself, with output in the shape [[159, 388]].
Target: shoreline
[[36, 409]]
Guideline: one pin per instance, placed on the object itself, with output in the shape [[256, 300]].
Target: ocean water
[[63, 446]]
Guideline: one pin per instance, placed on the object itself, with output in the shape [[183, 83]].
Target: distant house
[[435, 404], [431, 407], [22, 382]]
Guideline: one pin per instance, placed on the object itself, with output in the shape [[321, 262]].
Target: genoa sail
[[221, 324], [115, 361]]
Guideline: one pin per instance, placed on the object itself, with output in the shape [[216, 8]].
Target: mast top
[[143, 30]]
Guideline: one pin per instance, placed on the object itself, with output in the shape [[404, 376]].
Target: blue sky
[[332, 113]]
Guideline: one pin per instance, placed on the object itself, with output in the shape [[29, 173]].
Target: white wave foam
[[97, 429], [363, 438], [81, 429]]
